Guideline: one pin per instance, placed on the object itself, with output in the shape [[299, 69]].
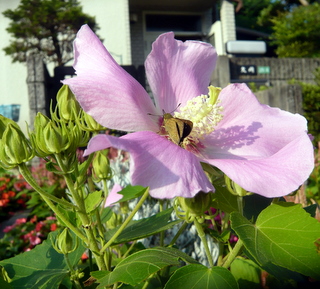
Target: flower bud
[[14, 147], [234, 188], [64, 243], [37, 137], [101, 166], [196, 206], [4, 121], [68, 106], [56, 138], [88, 123], [80, 138]]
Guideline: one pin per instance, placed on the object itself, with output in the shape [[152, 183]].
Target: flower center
[[205, 113]]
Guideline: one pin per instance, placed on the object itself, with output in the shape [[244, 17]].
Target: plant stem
[[203, 238], [86, 222], [126, 222], [233, 254], [181, 230], [28, 177], [162, 232], [76, 281]]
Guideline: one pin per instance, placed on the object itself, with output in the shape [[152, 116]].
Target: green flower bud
[[88, 123], [56, 138], [64, 243], [234, 188], [68, 106], [80, 137], [114, 221], [4, 121], [101, 166], [197, 205], [37, 136], [14, 147]]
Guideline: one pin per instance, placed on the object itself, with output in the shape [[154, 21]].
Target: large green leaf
[[196, 276], [247, 273], [139, 266], [145, 227], [224, 200], [41, 268], [283, 235]]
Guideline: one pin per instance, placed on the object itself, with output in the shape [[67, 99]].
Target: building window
[[171, 22]]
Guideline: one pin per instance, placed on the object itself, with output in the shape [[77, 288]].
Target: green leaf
[[41, 268], [246, 272], [4, 284], [139, 266], [106, 215], [144, 227], [253, 205], [200, 277], [224, 200], [131, 192], [70, 215], [284, 235], [93, 200], [311, 209]]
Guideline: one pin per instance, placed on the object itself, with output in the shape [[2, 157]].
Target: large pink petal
[[178, 71], [167, 169], [274, 176], [265, 150], [105, 90]]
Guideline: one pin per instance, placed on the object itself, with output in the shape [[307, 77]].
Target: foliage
[[313, 186], [296, 33], [24, 235], [255, 88], [13, 194], [248, 15], [275, 239], [45, 27], [275, 8], [311, 105]]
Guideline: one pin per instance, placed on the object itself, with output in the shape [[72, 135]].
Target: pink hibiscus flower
[[264, 150]]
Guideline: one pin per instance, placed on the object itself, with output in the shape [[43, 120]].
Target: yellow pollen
[[205, 113]]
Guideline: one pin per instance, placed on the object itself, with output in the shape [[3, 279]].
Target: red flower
[[53, 227]]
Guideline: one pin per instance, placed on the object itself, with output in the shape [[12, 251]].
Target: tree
[[275, 7], [45, 27], [296, 33]]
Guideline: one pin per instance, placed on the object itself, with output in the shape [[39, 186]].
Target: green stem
[[126, 222], [86, 222], [76, 281], [162, 232], [181, 230], [240, 204], [28, 177], [233, 254], [203, 238]]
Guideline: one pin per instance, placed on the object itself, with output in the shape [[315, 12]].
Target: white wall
[[13, 87], [112, 17]]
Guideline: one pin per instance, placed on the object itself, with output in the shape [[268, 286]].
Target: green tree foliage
[[311, 104], [45, 27], [297, 33], [249, 13]]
